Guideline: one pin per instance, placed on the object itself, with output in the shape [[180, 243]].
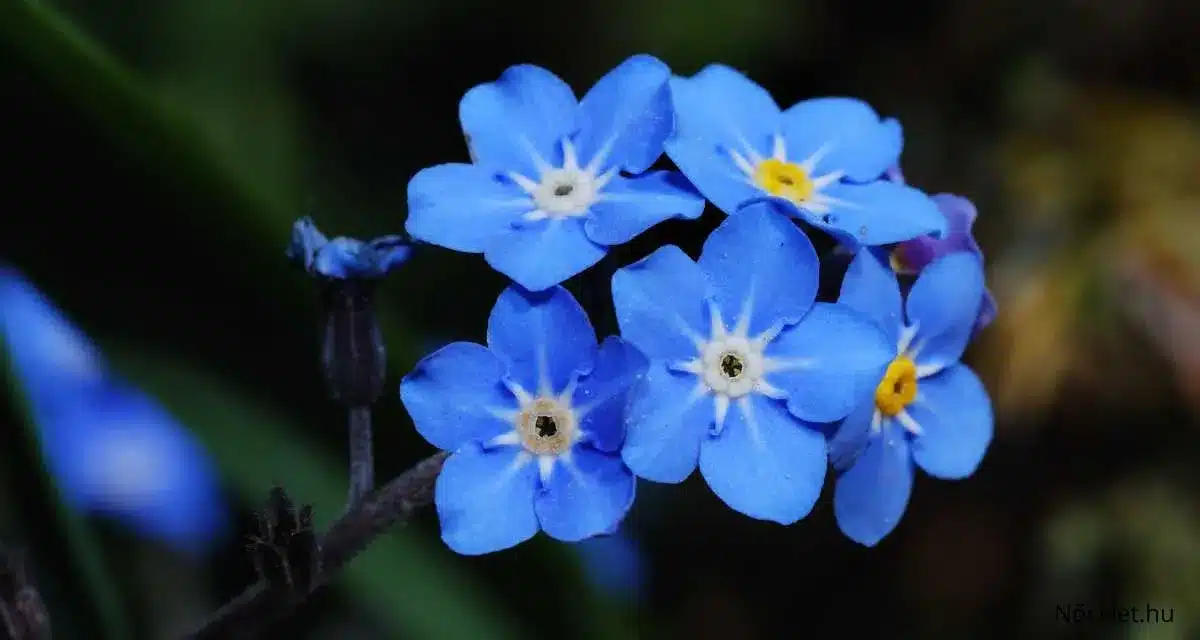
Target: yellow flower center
[[898, 388], [784, 179], [896, 261]]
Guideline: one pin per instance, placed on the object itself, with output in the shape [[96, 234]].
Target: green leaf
[[400, 578]]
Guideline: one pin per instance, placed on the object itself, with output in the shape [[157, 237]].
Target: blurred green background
[[159, 150]]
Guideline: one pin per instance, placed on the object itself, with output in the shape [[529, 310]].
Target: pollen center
[[898, 388], [732, 366], [784, 179], [546, 427], [565, 192]]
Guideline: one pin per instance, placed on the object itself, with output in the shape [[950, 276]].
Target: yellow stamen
[[896, 261], [898, 388], [784, 179]]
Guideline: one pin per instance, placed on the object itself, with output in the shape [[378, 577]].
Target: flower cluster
[[728, 362]]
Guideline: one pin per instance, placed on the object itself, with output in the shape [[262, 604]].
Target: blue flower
[[824, 156], [535, 421], [545, 196], [743, 362], [344, 258], [928, 409], [110, 449], [614, 563]]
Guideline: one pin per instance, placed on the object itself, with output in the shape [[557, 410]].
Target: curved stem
[[378, 512], [362, 462]]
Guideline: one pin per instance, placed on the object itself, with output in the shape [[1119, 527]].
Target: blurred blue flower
[[535, 420], [742, 328], [545, 197], [45, 350], [823, 156], [344, 258], [928, 409], [110, 449], [614, 563]]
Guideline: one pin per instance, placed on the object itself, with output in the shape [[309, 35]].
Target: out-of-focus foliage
[[1103, 269]]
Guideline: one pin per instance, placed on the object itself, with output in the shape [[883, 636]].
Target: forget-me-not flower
[[110, 449], [824, 156], [743, 362], [911, 256], [535, 421], [929, 410], [545, 196], [345, 258]]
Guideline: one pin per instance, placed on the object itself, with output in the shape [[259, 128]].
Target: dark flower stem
[[378, 512], [362, 461]]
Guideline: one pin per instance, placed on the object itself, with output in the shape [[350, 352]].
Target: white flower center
[[732, 365], [566, 191], [546, 426]]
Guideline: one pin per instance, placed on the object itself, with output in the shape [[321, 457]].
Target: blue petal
[[660, 306], [870, 497], [943, 305], [114, 451], [462, 207], [341, 258], [759, 262], [720, 112], [829, 363], [851, 435], [955, 415], [853, 137], [521, 117], [626, 116], [484, 499], [306, 241], [665, 423], [630, 206], [878, 213], [47, 353], [542, 254], [871, 288], [456, 394], [586, 495], [765, 463], [544, 339], [390, 252], [602, 395]]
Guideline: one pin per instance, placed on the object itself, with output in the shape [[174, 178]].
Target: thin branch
[[391, 505], [22, 612], [362, 460]]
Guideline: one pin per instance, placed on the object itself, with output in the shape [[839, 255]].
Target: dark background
[[158, 152]]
